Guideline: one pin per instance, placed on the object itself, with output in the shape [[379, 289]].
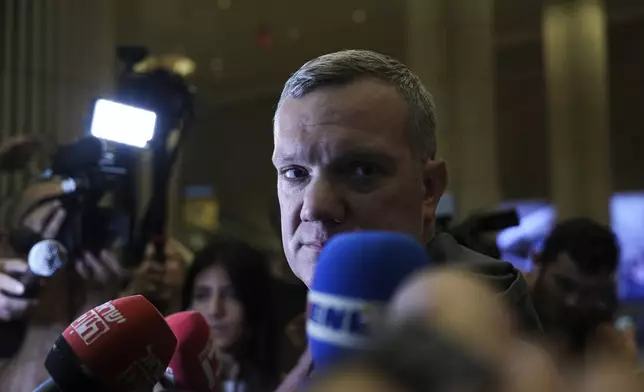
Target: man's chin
[[306, 263], [306, 276]]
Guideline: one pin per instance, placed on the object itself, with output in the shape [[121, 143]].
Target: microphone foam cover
[[356, 275], [46, 257], [195, 364], [125, 343]]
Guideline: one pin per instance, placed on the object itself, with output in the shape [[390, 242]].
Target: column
[[8, 35], [427, 57], [473, 104], [85, 61], [451, 48], [574, 45], [55, 57]]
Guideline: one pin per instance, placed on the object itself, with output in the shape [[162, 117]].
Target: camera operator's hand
[[158, 281], [48, 218], [100, 271], [149, 279], [102, 277], [13, 308]]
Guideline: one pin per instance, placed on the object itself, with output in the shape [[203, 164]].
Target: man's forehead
[[566, 265], [343, 117], [301, 146], [356, 102]]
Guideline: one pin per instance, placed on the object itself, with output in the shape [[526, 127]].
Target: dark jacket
[[444, 250]]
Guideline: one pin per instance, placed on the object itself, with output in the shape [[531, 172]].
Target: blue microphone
[[355, 277]]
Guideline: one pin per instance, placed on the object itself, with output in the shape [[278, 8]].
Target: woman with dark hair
[[230, 284]]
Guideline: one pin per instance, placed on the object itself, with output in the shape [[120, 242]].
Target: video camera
[[152, 110]]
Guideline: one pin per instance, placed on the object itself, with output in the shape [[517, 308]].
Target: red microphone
[[196, 365], [123, 345]]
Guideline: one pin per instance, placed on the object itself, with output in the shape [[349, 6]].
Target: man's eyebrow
[[343, 156], [281, 157], [362, 154]]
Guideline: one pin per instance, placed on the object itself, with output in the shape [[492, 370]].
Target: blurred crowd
[[345, 163]]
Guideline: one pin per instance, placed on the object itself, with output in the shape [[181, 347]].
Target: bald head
[[459, 304]]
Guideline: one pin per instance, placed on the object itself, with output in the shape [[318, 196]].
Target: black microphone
[[45, 258]]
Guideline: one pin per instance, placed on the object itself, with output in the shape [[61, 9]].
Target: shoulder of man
[[501, 275]]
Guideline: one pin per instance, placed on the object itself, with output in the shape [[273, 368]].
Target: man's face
[[344, 163], [567, 297]]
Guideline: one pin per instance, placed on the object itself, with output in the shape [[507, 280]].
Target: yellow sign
[[202, 213]]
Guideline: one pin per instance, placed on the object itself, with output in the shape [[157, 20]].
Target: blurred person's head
[[574, 282], [230, 284], [355, 149], [412, 357], [443, 298]]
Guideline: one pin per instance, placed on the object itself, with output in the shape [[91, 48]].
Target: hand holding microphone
[[12, 307], [20, 282], [44, 222]]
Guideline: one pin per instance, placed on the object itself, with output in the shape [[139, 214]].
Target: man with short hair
[[355, 149], [574, 287]]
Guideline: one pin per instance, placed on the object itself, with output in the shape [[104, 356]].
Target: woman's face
[[215, 297]]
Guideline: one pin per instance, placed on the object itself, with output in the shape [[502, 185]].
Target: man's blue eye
[[294, 173]]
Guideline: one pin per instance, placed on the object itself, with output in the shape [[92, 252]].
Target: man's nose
[[322, 202]]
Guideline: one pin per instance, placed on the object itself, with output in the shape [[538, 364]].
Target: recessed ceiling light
[[225, 4], [359, 16]]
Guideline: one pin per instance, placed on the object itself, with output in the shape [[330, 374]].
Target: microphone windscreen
[[46, 257], [356, 275], [122, 345], [195, 364]]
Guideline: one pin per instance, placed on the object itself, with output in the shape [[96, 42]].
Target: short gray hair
[[344, 67]]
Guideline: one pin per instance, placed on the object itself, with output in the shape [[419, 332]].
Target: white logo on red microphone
[[96, 322]]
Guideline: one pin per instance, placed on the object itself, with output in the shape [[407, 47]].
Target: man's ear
[[434, 177]]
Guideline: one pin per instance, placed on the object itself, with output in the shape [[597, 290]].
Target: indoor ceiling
[[248, 47], [245, 48]]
